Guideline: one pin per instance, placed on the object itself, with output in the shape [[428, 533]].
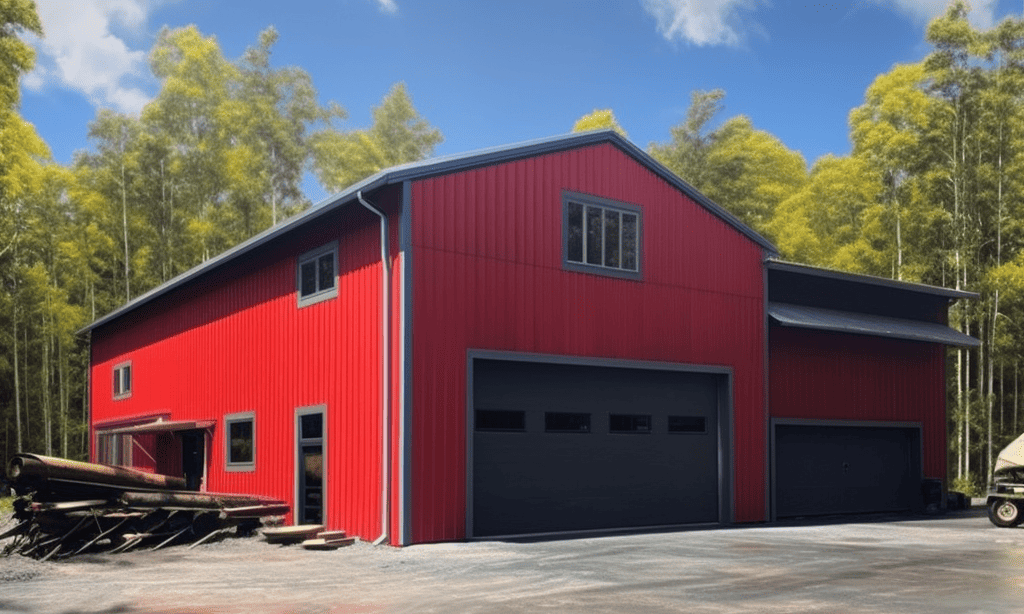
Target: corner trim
[[405, 510]]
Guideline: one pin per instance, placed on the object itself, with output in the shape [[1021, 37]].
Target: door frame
[[726, 449], [776, 422], [296, 453]]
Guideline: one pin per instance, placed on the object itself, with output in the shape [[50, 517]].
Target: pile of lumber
[[67, 507]]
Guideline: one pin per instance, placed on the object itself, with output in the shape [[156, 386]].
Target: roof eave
[[806, 269]]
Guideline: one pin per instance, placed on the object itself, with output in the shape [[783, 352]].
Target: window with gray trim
[[240, 441], [122, 380], [317, 274], [601, 236]]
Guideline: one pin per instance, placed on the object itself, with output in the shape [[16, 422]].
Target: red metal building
[[563, 336]]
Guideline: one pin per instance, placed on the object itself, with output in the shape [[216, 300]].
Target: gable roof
[[431, 168]]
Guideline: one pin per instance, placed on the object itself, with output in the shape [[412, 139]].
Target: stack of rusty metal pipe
[[65, 508]]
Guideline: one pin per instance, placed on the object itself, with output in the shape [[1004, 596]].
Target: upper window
[[240, 440], [317, 275], [602, 236], [123, 380]]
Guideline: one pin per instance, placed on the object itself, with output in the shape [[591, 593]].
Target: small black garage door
[[566, 447], [825, 469]]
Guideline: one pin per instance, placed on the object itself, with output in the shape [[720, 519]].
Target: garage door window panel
[[500, 420], [629, 423], [687, 424], [566, 422]]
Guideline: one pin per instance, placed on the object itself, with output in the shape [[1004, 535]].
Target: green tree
[[686, 153], [830, 220], [398, 135], [745, 170], [887, 133], [598, 119], [17, 18]]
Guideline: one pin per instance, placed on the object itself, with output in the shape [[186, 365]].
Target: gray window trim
[[321, 295], [229, 419], [604, 203], [118, 372]]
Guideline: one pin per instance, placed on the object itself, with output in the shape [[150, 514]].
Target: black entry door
[[824, 469], [311, 469], [567, 448], [193, 458]]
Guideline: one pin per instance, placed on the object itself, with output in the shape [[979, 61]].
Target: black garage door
[[824, 469], [566, 447]]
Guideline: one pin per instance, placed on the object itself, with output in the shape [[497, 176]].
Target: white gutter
[[385, 375]]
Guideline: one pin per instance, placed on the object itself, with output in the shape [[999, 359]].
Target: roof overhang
[[799, 316], [775, 264], [160, 426]]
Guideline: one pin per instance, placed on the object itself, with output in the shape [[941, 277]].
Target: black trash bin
[[931, 495]]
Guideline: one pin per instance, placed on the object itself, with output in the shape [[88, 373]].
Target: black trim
[[806, 269]]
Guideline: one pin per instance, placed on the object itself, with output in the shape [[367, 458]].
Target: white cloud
[[700, 22], [80, 51], [982, 13], [388, 6]]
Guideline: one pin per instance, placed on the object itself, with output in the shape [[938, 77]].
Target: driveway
[[954, 563]]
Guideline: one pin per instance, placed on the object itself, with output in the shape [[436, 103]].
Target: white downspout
[[385, 395]]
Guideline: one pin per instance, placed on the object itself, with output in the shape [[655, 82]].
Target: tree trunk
[[124, 226], [17, 386], [45, 385]]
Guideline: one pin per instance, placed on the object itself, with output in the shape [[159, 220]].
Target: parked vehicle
[[1006, 494]]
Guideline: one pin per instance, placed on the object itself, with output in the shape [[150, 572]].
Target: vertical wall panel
[[833, 376], [235, 341], [499, 285]]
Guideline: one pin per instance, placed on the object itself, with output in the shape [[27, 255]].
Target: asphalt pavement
[[958, 562]]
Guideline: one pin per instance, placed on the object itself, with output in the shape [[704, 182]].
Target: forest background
[[932, 192]]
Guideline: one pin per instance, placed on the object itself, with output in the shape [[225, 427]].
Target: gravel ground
[[956, 563]]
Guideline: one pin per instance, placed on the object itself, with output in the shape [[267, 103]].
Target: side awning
[[799, 316], [159, 426]]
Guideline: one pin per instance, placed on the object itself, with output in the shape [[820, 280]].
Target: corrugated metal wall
[[832, 376], [487, 266], [235, 341]]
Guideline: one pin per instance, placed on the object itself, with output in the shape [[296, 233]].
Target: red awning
[[159, 426]]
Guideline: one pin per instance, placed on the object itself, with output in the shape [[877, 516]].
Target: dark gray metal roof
[[806, 269], [799, 316], [434, 167]]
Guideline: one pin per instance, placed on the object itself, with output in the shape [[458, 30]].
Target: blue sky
[[488, 72]]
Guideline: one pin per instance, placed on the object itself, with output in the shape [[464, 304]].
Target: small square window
[[122, 384], [317, 275], [601, 236], [240, 441]]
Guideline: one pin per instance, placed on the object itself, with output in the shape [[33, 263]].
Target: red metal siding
[[487, 266], [235, 341], [831, 376]]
